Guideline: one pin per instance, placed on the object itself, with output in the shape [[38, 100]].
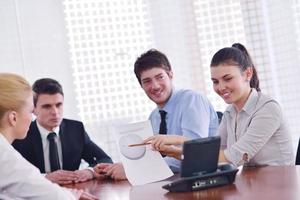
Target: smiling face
[[232, 84], [49, 110], [157, 83]]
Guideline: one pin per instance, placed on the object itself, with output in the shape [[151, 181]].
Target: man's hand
[[84, 175], [62, 177], [99, 172], [115, 171]]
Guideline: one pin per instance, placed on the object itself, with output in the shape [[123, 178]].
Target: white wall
[[33, 43]]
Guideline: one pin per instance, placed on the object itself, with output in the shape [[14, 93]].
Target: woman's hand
[[158, 140], [172, 151], [166, 144]]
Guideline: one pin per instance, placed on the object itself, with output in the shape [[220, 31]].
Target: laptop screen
[[200, 156]]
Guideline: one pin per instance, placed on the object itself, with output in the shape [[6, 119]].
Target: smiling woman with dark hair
[[253, 130]]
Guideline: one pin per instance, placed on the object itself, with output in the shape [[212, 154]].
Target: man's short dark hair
[[45, 86], [150, 59]]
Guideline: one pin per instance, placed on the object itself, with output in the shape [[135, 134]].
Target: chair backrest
[[298, 154]]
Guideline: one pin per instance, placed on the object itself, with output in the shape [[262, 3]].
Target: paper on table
[[142, 165]]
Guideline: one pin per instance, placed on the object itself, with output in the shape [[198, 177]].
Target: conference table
[[255, 183]]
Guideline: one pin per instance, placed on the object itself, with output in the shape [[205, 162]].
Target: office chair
[[220, 115], [298, 154]]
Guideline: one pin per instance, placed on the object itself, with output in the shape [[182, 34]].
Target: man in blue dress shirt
[[179, 112], [188, 113]]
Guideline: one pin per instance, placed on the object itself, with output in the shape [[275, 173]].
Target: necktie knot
[[163, 114], [51, 136]]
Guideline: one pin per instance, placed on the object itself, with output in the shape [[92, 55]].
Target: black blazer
[[75, 142]]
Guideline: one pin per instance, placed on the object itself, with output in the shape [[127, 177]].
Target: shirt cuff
[[235, 157]]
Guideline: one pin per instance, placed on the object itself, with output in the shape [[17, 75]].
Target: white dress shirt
[[45, 141], [21, 180]]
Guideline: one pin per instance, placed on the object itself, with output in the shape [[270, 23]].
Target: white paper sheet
[[142, 165]]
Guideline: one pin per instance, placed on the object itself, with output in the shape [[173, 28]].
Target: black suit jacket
[[75, 142]]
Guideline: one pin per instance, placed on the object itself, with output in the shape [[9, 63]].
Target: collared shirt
[[21, 180], [258, 132], [189, 114], [44, 133]]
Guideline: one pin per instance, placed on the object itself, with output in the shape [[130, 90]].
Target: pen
[[139, 144]]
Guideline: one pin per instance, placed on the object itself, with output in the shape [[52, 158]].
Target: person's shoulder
[[191, 95], [267, 104], [266, 99], [153, 113], [70, 126], [73, 122], [187, 93], [66, 120], [264, 96]]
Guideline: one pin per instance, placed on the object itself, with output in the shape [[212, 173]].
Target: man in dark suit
[[56, 145]]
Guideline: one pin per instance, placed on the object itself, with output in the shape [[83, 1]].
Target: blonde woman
[[20, 179]]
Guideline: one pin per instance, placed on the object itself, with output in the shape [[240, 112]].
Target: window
[[106, 36]]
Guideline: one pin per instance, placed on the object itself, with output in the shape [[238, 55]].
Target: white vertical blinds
[[106, 36], [218, 24]]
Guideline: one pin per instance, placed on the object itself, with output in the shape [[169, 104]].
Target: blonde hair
[[14, 90]]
